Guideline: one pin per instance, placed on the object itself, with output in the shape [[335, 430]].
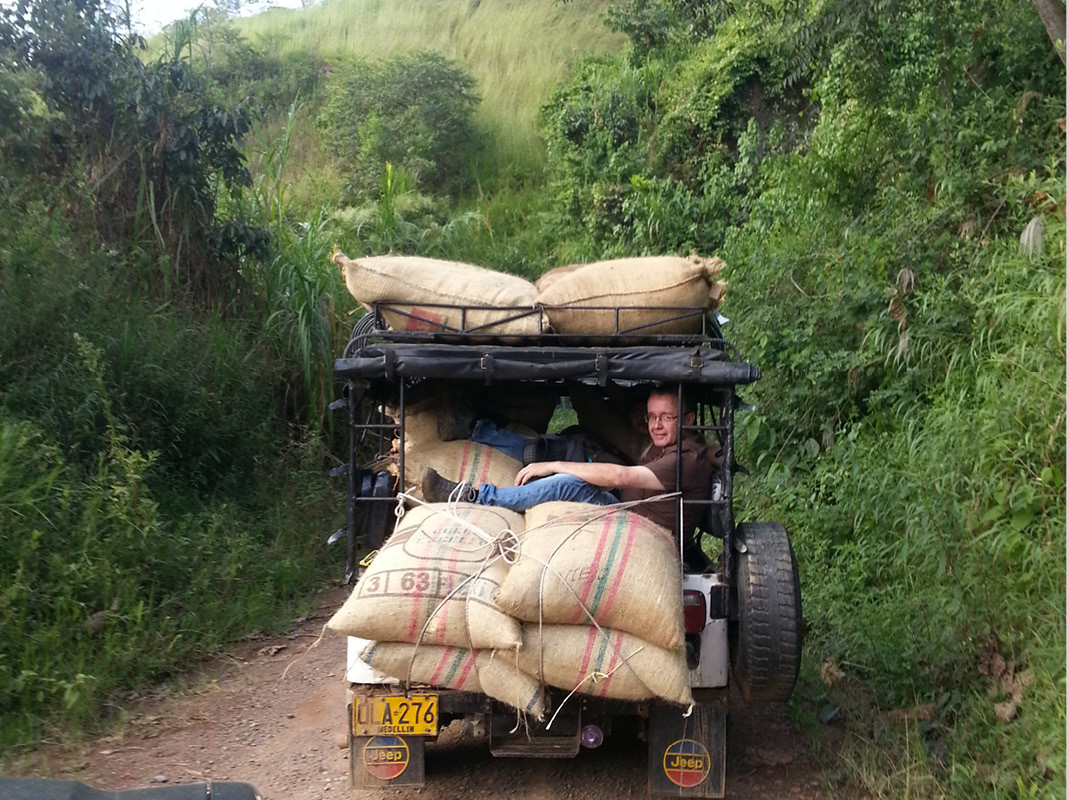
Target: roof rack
[[422, 324]]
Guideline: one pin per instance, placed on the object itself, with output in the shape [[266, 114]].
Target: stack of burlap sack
[[591, 602], [426, 295]]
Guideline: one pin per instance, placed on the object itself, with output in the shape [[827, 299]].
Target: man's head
[[662, 415]]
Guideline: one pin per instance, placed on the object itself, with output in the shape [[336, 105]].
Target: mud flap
[[384, 761], [508, 737], [687, 755]]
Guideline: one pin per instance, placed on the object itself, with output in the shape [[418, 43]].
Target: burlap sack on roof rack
[[435, 582], [665, 285], [417, 286], [613, 563], [604, 663], [490, 671]]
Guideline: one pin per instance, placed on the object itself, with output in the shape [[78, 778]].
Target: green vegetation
[[884, 180], [411, 112], [160, 469], [867, 175], [516, 52]]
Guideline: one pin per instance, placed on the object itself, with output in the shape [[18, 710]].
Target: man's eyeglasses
[[666, 419]]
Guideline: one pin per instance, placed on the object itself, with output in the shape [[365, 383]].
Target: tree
[[412, 111], [1054, 17], [153, 143]]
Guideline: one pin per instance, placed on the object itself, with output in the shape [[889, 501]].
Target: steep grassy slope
[[517, 50]]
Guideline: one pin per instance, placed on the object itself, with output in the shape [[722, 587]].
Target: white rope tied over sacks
[[506, 542], [503, 546], [506, 545], [590, 518]]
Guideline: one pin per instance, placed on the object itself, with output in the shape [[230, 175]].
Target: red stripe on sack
[[464, 460], [414, 610], [615, 658], [620, 570], [442, 662], [480, 460], [590, 641], [583, 595], [443, 614], [468, 665], [488, 453]]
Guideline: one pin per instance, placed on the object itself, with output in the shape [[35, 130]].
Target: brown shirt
[[696, 481]]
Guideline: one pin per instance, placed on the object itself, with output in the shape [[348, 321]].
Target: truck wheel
[[766, 653]]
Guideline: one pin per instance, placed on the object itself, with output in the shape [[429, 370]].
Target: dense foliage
[[153, 499], [884, 180], [868, 176], [411, 111]]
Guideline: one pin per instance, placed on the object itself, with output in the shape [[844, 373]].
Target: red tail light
[[695, 609]]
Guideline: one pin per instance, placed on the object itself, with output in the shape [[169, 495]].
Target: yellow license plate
[[394, 715]]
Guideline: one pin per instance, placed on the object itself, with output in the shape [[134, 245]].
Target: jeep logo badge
[[686, 763], [385, 757]]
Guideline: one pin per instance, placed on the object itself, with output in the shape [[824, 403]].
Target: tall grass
[[517, 50], [151, 507], [297, 287]]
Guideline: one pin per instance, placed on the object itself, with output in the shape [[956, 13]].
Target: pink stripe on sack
[[414, 611], [468, 665], [464, 460], [583, 595], [413, 621], [620, 571], [480, 459], [590, 642], [441, 617], [441, 664], [488, 454]]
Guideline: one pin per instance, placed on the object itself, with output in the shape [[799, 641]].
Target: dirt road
[[272, 713]]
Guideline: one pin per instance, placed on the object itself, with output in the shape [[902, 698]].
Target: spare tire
[[768, 643]]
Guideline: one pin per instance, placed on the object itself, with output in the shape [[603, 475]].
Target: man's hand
[[538, 469]]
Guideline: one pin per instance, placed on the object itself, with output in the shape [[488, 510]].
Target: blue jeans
[[511, 444], [544, 490]]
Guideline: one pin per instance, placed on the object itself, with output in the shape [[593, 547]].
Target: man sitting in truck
[[606, 483]]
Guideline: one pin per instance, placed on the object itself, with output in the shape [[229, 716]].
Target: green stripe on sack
[[609, 562], [476, 457], [605, 645], [457, 662]]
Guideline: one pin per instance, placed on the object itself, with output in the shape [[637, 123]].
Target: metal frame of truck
[[755, 627]]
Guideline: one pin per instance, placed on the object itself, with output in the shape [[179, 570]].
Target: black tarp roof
[[698, 365]]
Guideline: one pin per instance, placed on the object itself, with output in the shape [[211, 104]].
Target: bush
[[411, 111], [148, 146]]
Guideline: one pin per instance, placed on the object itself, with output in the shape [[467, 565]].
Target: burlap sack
[[458, 461], [418, 287], [490, 671], [604, 663], [420, 421], [664, 283], [614, 564], [435, 582]]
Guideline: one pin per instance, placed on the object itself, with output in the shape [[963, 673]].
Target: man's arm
[[604, 475]]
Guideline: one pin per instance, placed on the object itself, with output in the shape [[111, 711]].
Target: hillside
[[516, 50]]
